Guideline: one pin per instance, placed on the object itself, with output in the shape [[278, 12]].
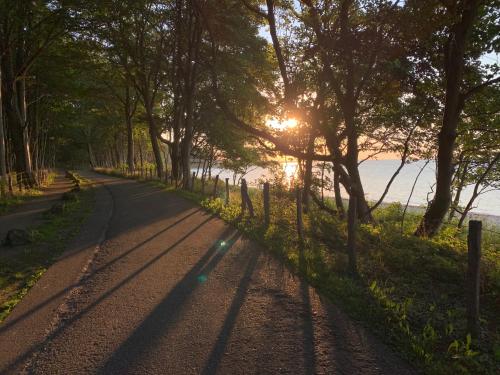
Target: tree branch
[[479, 87]]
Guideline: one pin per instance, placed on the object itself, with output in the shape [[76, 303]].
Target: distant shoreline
[[414, 207], [488, 218]]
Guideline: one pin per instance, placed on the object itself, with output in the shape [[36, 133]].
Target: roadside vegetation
[[410, 291], [22, 266], [10, 201]]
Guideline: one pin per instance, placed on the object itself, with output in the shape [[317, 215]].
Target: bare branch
[[479, 87]]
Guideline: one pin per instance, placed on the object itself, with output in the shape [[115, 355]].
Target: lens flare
[[283, 124]]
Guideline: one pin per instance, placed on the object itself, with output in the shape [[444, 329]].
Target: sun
[[279, 124]]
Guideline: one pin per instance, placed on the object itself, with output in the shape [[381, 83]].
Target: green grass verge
[[410, 291], [21, 267]]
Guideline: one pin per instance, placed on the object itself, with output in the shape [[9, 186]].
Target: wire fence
[[283, 199]]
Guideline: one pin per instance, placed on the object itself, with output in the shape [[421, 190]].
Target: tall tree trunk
[[130, 130], [14, 125], [91, 155], [454, 62], [175, 159], [190, 76], [3, 161], [336, 190], [351, 164], [186, 145], [306, 192], [141, 155], [154, 140], [460, 186]]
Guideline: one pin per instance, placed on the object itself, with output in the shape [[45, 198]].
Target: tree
[[26, 31], [460, 51]]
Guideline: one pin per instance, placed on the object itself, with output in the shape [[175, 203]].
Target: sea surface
[[376, 173]]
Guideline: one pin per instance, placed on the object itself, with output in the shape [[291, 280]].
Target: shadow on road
[[22, 358], [158, 322], [11, 323], [232, 315]]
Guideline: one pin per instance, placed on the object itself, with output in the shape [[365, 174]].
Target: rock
[[57, 208], [17, 237]]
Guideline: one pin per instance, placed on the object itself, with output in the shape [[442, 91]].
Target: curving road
[[154, 285]]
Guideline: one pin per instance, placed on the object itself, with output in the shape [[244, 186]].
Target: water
[[376, 173]]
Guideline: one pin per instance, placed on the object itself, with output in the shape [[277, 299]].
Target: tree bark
[[336, 190], [3, 161], [461, 183], [130, 130], [308, 175], [154, 140], [13, 120]]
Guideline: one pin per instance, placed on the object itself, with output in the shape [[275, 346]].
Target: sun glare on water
[[278, 124]]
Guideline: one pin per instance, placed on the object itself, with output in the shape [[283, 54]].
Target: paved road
[[164, 288], [29, 214]]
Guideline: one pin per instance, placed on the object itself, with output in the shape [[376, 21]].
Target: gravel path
[[173, 290]]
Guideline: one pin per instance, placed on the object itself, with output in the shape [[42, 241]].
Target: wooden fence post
[[192, 181], [300, 225], [267, 215], [227, 191], [351, 234], [9, 181], [215, 186], [473, 277], [245, 199]]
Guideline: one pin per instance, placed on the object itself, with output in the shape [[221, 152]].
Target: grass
[[21, 267], [17, 197], [410, 291]]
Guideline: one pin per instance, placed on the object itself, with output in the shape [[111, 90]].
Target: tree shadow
[[353, 350], [27, 354], [163, 316], [10, 323], [308, 342], [231, 317]]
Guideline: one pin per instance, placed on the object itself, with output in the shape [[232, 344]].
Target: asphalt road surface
[[155, 285]]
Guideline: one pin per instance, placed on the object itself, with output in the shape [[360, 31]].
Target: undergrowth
[[17, 197]]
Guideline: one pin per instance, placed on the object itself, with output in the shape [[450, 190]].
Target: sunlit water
[[376, 173]]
